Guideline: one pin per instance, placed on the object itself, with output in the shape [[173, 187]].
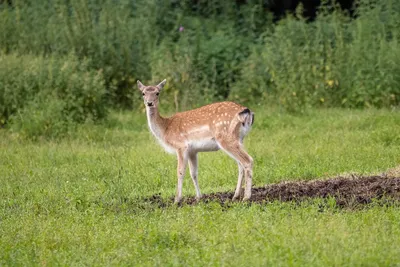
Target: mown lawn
[[80, 200]]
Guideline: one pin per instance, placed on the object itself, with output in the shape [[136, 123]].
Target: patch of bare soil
[[347, 191], [360, 190]]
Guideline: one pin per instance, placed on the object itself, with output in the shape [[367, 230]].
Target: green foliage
[[115, 36], [80, 200], [201, 67], [127, 39], [44, 94], [333, 61], [225, 49], [42, 117]]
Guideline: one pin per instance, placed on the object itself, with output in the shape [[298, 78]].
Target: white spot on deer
[[203, 128]]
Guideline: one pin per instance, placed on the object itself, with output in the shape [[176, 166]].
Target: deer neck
[[157, 124]]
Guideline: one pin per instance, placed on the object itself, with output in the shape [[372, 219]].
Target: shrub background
[[207, 50], [46, 96]]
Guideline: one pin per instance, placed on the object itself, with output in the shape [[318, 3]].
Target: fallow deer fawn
[[209, 128]]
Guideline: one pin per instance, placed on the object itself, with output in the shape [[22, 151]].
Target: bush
[[42, 117], [117, 36], [334, 61], [201, 65], [49, 92]]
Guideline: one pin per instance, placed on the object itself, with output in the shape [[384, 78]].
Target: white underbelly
[[203, 145]]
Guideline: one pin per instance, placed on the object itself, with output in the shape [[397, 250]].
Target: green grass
[[78, 200]]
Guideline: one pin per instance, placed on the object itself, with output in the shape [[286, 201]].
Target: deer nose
[[150, 104]]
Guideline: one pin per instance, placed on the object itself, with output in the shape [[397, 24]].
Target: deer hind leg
[[194, 173], [236, 151], [182, 156], [239, 187]]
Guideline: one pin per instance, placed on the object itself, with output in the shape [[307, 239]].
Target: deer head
[[151, 93]]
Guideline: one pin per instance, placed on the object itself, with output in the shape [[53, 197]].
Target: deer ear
[[140, 85], [161, 84]]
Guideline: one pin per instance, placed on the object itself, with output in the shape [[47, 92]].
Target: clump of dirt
[[393, 172], [347, 191]]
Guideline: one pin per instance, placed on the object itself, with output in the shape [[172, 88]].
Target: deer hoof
[[177, 201], [246, 198]]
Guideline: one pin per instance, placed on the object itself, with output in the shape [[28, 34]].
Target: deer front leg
[[194, 173], [182, 162]]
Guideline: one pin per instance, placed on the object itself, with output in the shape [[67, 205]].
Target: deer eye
[[157, 94], [142, 93]]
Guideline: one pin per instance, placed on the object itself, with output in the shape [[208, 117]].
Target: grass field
[[79, 200]]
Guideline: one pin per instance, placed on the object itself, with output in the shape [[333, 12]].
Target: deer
[[213, 127]]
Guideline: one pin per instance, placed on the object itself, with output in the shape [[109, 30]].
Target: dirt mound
[[347, 191], [360, 190]]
